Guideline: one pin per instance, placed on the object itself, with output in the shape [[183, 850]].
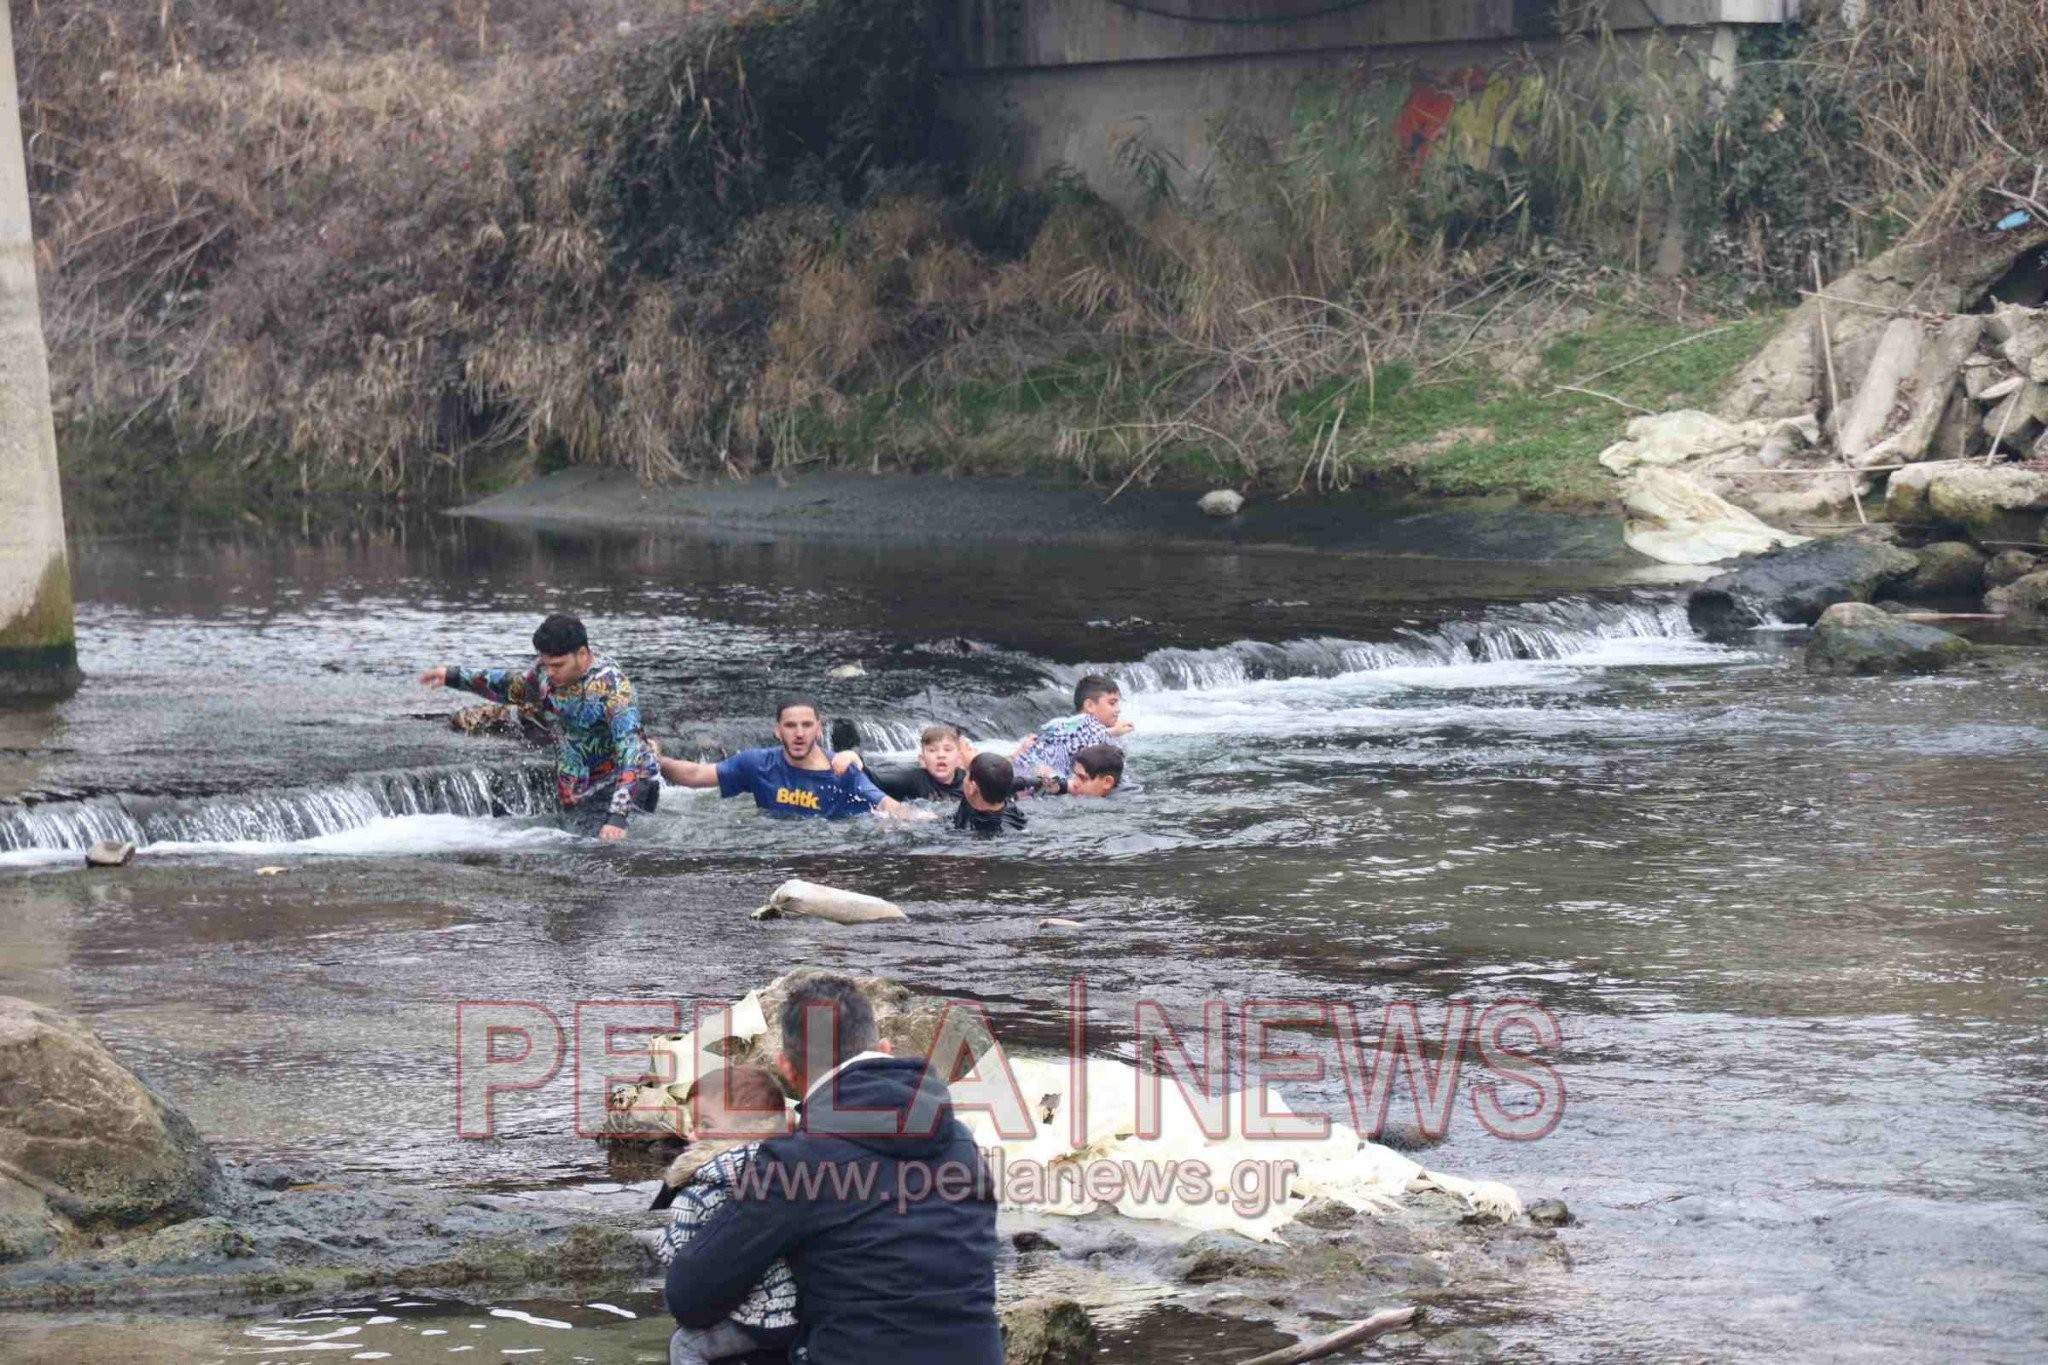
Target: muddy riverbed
[[1791, 930]]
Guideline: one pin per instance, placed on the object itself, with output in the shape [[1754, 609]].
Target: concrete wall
[[37, 654], [1052, 84]]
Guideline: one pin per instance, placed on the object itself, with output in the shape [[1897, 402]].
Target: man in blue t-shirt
[[793, 779]]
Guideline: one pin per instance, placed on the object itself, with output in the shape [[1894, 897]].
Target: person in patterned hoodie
[[604, 767], [1048, 756], [744, 1104]]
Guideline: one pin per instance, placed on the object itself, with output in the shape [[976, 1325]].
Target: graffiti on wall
[[1470, 115]]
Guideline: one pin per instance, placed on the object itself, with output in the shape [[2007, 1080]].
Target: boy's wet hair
[[993, 776], [745, 1096], [937, 734], [559, 635], [853, 1018], [1093, 686], [1100, 760], [797, 699]]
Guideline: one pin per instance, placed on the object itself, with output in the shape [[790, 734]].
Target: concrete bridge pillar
[[38, 658]]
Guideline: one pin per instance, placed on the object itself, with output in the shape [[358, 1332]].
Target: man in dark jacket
[[879, 1200]]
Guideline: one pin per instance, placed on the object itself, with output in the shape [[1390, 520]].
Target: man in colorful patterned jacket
[[604, 766]]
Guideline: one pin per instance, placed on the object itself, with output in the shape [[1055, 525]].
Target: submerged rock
[[1550, 1213], [1855, 637], [2025, 599], [85, 1146], [1797, 584], [1047, 1332], [1948, 568], [1327, 1214], [1212, 1256], [2007, 566], [200, 1241]]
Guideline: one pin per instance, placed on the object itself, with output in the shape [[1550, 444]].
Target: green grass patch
[[1464, 431]]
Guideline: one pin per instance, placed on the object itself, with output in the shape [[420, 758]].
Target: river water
[[1792, 931]]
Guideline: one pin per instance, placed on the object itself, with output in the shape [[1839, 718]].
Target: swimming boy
[[604, 768], [942, 758], [792, 778], [1098, 770], [1097, 719], [986, 804]]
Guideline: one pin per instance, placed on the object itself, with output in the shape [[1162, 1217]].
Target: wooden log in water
[[1378, 1325]]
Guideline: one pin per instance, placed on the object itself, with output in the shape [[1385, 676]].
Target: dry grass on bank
[[380, 252]]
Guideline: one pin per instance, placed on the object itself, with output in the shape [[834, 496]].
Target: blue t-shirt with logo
[[796, 793]]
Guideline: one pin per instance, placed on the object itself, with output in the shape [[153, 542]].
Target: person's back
[[891, 1234], [986, 804]]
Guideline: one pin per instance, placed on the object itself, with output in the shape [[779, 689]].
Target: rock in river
[[1855, 637], [1948, 568], [1047, 1332], [2025, 599], [1221, 502], [2008, 566], [84, 1146], [1992, 502], [1798, 583]]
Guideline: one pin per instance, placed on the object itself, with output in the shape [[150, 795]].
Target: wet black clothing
[[915, 784], [594, 811], [987, 821], [891, 1234]]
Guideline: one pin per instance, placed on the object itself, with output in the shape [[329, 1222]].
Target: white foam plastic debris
[[1341, 1165], [613, 1308], [529, 1319], [797, 897], [1674, 520]]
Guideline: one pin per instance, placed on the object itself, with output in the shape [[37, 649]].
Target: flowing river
[[1792, 930]]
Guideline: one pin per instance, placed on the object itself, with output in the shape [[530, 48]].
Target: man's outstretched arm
[[683, 772], [492, 684]]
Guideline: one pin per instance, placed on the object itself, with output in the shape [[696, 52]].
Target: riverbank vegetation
[[418, 250]]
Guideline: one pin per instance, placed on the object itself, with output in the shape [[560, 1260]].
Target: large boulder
[[1948, 568], [1992, 502], [84, 1145], [1855, 637], [2025, 599], [1797, 584]]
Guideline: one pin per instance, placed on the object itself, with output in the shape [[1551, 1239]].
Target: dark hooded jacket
[[881, 1279]]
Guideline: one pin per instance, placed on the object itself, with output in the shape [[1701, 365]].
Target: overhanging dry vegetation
[[718, 243]]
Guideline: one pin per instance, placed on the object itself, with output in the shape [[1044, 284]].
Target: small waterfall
[[1535, 630], [278, 816]]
